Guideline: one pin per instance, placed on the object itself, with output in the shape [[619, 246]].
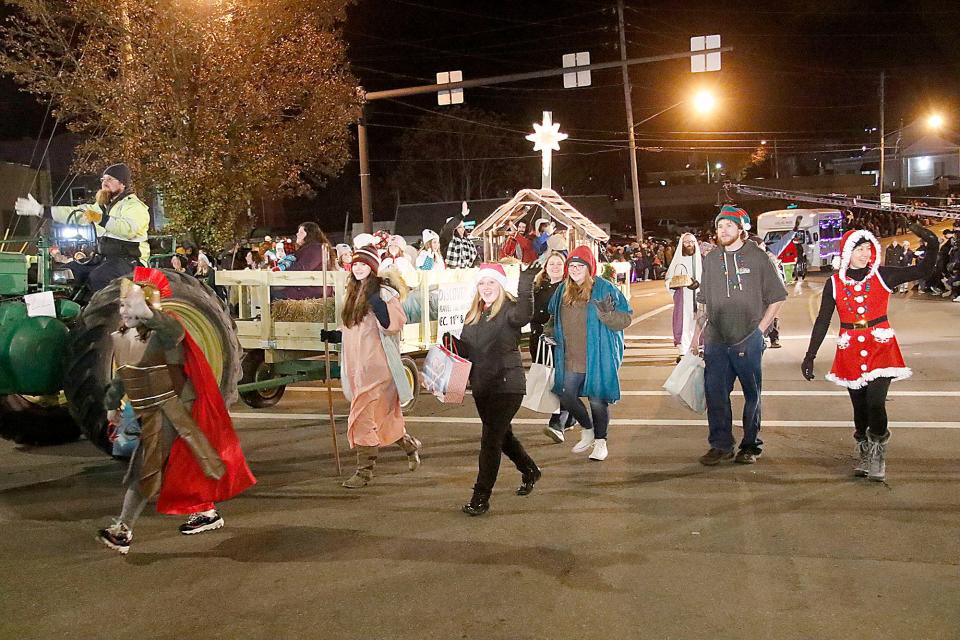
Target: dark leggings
[[496, 413], [869, 408]]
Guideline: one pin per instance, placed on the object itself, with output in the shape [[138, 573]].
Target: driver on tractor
[[121, 221]]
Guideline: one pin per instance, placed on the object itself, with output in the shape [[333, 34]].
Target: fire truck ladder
[[842, 201]]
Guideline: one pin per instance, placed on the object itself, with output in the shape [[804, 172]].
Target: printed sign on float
[[453, 303]]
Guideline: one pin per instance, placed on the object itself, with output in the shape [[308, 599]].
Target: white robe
[[692, 266]]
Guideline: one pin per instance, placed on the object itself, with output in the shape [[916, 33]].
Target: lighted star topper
[[546, 136]]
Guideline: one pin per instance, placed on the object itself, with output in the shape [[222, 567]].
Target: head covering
[[557, 242], [119, 171], [734, 214], [369, 256], [583, 255], [848, 243], [536, 225], [362, 240], [397, 241], [494, 272], [429, 236], [693, 264]]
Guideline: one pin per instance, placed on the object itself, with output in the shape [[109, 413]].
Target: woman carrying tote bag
[[490, 340]]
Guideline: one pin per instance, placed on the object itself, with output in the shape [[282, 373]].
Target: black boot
[[479, 504], [529, 478]]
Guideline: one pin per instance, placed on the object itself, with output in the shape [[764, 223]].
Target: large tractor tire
[[90, 367], [36, 420]]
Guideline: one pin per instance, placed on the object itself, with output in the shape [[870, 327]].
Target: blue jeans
[[597, 418], [724, 364]]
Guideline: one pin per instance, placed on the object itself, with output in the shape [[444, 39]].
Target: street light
[[935, 121], [704, 102]]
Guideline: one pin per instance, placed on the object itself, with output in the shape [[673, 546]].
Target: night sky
[[805, 73]]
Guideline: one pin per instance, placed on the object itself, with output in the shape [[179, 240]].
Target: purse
[[680, 280]]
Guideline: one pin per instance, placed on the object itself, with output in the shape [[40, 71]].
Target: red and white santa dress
[[867, 346]]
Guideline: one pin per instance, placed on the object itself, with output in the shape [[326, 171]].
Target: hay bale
[[309, 310]]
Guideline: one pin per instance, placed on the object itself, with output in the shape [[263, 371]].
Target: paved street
[[648, 544]]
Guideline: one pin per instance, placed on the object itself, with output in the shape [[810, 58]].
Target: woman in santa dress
[[868, 357]]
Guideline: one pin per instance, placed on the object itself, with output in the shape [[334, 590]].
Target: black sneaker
[[117, 536], [715, 456], [200, 522], [775, 344]]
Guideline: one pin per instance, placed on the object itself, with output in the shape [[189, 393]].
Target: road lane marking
[[785, 393], [650, 314], [623, 422]]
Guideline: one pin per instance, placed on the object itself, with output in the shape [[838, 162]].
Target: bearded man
[[741, 294], [686, 261]]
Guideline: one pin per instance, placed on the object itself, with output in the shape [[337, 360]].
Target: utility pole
[[776, 160], [501, 79], [882, 132], [628, 103]]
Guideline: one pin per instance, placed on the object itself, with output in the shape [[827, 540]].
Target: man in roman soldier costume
[[868, 357], [188, 455]]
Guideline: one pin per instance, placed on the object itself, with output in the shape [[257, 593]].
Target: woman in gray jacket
[[490, 340]]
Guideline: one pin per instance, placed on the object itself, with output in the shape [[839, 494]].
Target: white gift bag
[[540, 396], [686, 383]]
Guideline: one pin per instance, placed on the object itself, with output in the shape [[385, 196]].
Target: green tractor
[[54, 368]]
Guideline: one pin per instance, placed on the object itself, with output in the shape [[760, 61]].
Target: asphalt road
[[648, 544]]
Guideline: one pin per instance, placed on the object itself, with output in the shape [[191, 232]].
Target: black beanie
[[119, 171]]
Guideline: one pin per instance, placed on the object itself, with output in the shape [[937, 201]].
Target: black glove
[[528, 275], [606, 305], [807, 367], [332, 336], [693, 286], [924, 233]]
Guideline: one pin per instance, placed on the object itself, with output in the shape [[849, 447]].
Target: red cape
[[185, 488]]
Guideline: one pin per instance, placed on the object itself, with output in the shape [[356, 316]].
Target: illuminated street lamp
[[935, 121], [704, 102]]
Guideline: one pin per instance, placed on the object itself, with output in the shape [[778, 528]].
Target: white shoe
[[599, 449], [957, 299], [553, 434], [586, 441]]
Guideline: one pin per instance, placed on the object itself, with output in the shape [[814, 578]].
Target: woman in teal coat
[[589, 315]]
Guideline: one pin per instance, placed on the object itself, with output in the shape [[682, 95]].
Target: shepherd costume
[[188, 455], [684, 298], [868, 356]]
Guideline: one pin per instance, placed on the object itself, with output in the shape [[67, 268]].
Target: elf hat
[[583, 255], [368, 255], [734, 214], [494, 272]]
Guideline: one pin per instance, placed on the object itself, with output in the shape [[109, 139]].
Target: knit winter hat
[[344, 249], [363, 239], [494, 272], [119, 171], [734, 214], [396, 241], [429, 236], [369, 256], [583, 255]]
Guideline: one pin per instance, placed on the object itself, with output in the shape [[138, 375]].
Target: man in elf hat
[[740, 294], [188, 455], [121, 221]]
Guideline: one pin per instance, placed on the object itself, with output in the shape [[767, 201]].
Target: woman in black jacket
[[490, 340], [544, 286]]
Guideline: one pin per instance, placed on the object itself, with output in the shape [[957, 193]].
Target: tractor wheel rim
[[265, 372]]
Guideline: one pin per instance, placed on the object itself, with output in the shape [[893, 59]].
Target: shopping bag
[[540, 396], [445, 374], [686, 383]]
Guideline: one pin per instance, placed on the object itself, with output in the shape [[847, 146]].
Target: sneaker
[[413, 458], [586, 441], [200, 522], [715, 456], [571, 422], [746, 456], [957, 299], [774, 344], [599, 452], [863, 459], [553, 434], [117, 536]]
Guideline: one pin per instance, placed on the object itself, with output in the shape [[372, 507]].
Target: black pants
[[98, 275], [869, 408], [496, 413]]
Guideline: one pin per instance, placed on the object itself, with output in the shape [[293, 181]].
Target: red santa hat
[[369, 256], [494, 272], [848, 243], [583, 255]]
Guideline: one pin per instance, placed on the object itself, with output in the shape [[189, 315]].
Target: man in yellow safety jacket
[[121, 220]]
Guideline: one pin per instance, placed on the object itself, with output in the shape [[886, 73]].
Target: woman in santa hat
[[589, 315], [868, 357], [490, 340]]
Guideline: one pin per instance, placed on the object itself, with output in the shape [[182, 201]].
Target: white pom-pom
[[836, 263]]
